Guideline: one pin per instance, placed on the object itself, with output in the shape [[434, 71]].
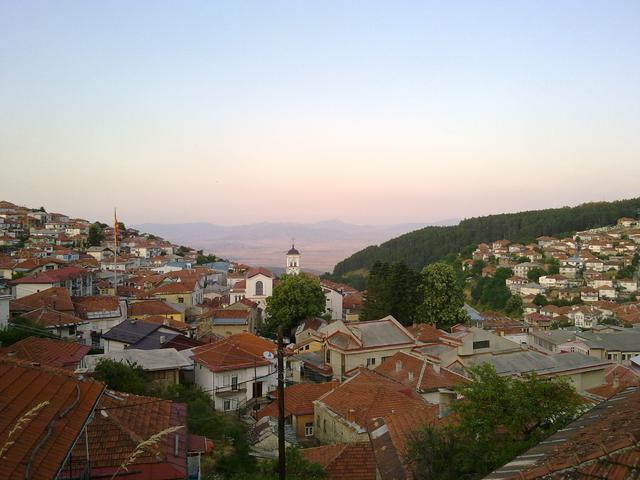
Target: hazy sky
[[370, 112]]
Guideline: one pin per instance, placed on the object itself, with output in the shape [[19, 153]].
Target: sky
[[364, 111]]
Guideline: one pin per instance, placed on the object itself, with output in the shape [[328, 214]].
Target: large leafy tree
[[297, 467], [392, 290], [295, 297], [497, 419], [96, 234], [123, 377], [492, 292], [443, 297]]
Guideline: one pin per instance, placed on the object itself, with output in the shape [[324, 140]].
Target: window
[[324, 425], [481, 344], [308, 429], [227, 405], [72, 329], [306, 347], [259, 288], [226, 380], [234, 382], [180, 299], [371, 361]]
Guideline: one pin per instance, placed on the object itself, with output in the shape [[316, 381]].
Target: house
[[582, 370], [550, 341], [628, 285], [355, 344], [627, 222], [57, 421], [333, 300], [607, 292], [138, 309], [236, 370], [263, 437], [345, 461], [257, 287], [431, 381], [137, 334], [78, 282], [352, 304], [548, 281], [59, 324], [345, 413], [101, 312], [48, 352], [162, 365], [618, 346], [5, 302], [522, 269], [569, 271], [598, 444], [123, 421], [100, 253], [55, 298], [242, 316], [531, 289], [588, 294], [298, 406], [188, 292]]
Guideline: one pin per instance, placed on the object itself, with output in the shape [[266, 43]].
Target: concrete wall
[[330, 428]]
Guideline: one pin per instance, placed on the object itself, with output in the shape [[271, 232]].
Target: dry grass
[[19, 425], [140, 448]]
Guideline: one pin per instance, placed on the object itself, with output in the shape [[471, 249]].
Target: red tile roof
[[368, 395], [185, 286], [242, 350], [298, 399], [603, 443], [427, 333], [57, 298], [259, 270], [617, 378], [418, 373], [95, 304], [47, 351], [168, 322], [50, 318], [344, 461], [121, 422], [71, 401], [150, 307], [53, 276]]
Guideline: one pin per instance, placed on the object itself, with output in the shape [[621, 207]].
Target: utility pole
[[281, 448]]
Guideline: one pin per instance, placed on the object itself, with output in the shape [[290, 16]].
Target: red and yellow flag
[[115, 227]]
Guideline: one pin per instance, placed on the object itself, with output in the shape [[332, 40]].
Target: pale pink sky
[[384, 113]]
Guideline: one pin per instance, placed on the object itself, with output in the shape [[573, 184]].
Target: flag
[[115, 227]]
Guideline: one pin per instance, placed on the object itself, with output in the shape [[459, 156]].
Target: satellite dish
[[268, 355]]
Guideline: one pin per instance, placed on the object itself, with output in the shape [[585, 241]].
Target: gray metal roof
[[624, 341], [555, 337], [130, 331], [230, 321], [531, 361], [150, 360]]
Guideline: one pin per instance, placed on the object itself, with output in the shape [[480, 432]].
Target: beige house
[[363, 344]]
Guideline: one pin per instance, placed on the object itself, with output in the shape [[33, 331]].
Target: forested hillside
[[429, 244]]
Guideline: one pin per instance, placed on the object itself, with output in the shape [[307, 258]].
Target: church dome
[[293, 251]]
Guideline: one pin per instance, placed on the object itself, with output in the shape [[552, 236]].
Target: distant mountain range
[[321, 244]]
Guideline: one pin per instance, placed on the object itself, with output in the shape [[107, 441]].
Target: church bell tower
[[293, 261]]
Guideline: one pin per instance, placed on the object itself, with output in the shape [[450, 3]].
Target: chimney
[[616, 381], [436, 367], [165, 322], [162, 339], [398, 365], [351, 415], [410, 376]]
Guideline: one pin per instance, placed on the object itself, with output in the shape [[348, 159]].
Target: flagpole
[[115, 247]]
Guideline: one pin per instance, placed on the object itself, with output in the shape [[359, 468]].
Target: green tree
[[635, 260], [96, 235], [514, 306], [535, 273], [295, 298], [432, 453], [540, 300], [123, 377], [21, 328], [392, 290], [232, 452], [443, 297], [476, 268], [297, 467], [202, 259], [497, 419], [626, 272]]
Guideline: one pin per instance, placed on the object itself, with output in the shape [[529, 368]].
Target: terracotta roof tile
[[57, 298], [46, 351], [71, 402], [298, 399], [344, 461], [150, 307]]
